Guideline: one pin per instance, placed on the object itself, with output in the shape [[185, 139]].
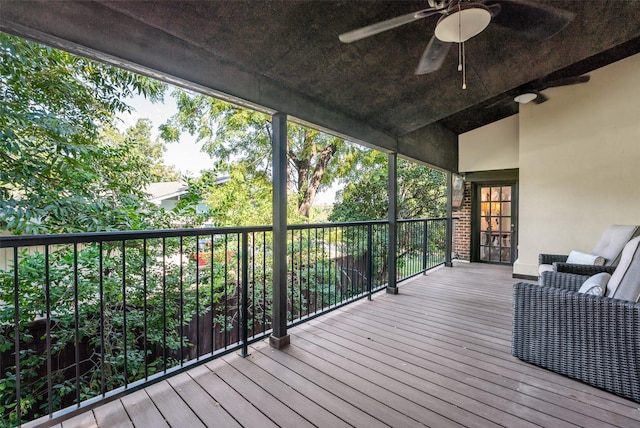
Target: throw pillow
[[576, 257], [596, 284]]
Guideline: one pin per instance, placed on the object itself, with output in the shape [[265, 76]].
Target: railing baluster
[[76, 321], [103, 386], [300, 267], [16, 332], [308, 294], [238, 291], [369, 259], [211, 299], [291, 300], [164, 304], [315, 274], [329, 280], [245, 293], [264, 281], [226, 284], [124, 311], [424, 245], [197, 297], [47, 297], [253, 282], [323, 265], [144, 307], [181, 306]]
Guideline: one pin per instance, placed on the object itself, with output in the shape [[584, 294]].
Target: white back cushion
[[625, 281], [612, 242]]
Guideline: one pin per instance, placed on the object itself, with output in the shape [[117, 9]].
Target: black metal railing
[[421, 246], [85, 317], [333, 264]]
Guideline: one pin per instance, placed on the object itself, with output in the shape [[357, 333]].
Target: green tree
[[233, 134], [56, 172], [139, 137], [421, 191]]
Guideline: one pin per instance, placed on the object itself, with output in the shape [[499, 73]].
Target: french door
[[496, 217]]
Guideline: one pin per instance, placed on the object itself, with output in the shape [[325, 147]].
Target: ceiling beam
[[433, 142]]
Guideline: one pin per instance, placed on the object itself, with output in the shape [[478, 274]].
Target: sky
[[185, 155]]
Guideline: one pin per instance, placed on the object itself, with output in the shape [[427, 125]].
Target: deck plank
[[288, 393], [556, 402], [142, 411], [112, 415], [173, 408], [386, 397], [437, 354], [244, 411], [83, 420], [327, 390], [452, 393], [208, 410]]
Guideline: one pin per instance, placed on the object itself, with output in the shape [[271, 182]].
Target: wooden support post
[[449, 231], [279, 337], [392, 287]]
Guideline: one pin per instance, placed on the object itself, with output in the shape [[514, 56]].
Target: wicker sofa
[[610, 246], [595, 339]]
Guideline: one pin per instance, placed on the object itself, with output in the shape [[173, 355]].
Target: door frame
[[492, 178]]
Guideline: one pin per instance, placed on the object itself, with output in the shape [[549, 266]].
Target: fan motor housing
[[438, 4]]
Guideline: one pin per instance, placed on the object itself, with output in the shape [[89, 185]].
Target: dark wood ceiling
[[286, 56]]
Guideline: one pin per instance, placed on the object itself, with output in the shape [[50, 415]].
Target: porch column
[[279, 337], [393, 214], [449, 238]]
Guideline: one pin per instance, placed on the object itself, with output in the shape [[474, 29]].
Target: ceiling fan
[[532, 91], [462, 19]]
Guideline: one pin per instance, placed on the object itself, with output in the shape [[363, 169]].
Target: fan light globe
[[525, 98], [462, 24]]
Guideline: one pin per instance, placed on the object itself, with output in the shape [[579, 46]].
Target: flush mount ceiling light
[[459, 24], [527, 97], [462, 22]]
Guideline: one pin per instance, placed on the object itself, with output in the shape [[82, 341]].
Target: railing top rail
[[88, 237], [340, 224], [70, 238], [409, 220]]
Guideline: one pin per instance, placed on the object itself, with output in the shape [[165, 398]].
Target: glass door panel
[[496, 224]]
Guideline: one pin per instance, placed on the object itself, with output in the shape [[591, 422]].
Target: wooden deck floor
[[437, 354]]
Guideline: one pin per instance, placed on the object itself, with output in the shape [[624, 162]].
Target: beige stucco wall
[[491, 147], [579, 160]]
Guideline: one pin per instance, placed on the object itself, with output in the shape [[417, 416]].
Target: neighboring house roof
[[159, 192], [162, 191]]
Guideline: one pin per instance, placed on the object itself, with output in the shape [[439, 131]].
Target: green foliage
[[138, 138], [421, 191], [235, 135], [160, 299], [56, 173]]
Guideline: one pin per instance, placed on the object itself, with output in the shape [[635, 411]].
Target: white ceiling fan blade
[[379, 27], [433, 56]]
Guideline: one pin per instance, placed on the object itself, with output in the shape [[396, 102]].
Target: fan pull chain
[[464, 69], [459, 37], [461, 56]]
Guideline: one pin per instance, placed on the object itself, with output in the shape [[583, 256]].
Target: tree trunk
[[310, 194]]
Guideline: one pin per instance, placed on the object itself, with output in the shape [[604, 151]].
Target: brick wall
[[462, 227]]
